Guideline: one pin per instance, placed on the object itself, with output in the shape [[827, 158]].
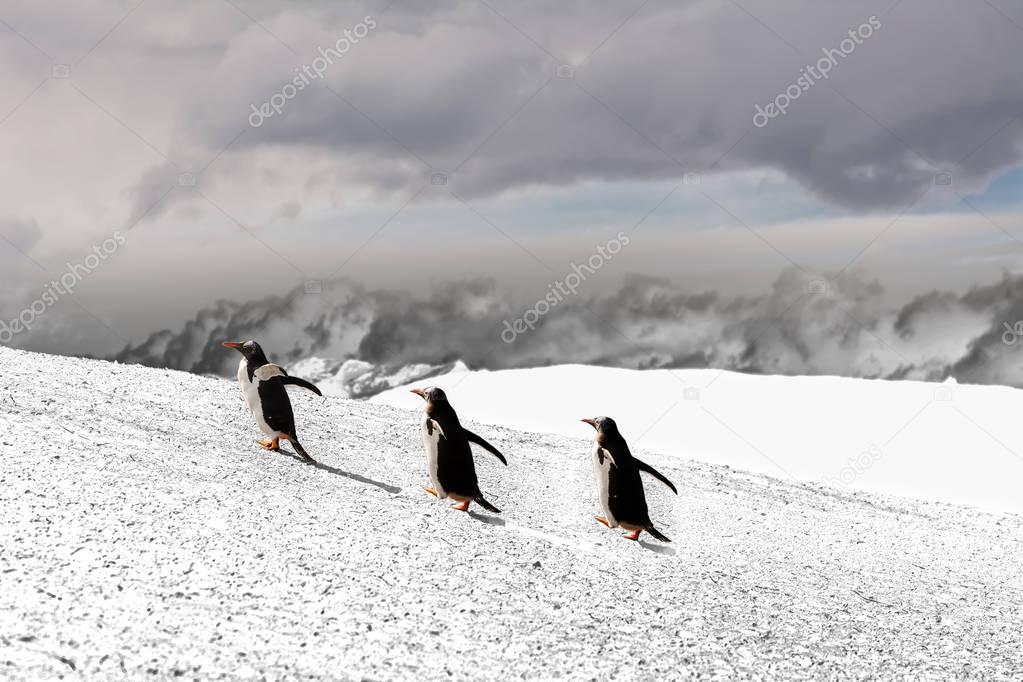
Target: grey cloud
[[675, 90], [22, 234], [440, 83]]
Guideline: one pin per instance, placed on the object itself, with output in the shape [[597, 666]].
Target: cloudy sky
[[272, 154]]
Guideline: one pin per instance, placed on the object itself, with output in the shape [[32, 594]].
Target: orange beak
[[590, 422], [419, 392], [231, 344]]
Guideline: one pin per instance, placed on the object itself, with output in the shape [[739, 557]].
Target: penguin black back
[[626, 497], [276, 405], [623, 497], [273, 397], [456, 467], [449, 453], [263, 388]]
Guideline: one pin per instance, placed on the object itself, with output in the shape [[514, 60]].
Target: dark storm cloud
[[473, 89], [647, 323], [673, 89]]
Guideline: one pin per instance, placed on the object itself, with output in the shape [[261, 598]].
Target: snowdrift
[[144, 533], [944, 442]]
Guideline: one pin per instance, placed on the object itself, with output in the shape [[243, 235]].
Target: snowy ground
[[142, 531], [944, 442]]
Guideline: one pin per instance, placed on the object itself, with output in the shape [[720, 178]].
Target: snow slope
[[143, 533], [945, 442]]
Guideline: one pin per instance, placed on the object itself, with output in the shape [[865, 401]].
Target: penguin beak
[[419, 392], [590, 422], [232, 344]]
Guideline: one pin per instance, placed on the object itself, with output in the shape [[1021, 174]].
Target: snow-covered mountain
[[947, 442], [143, 533], [360, 379]]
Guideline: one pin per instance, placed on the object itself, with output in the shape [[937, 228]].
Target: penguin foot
[[603, 520], [271, 445], [431, 491], [634, 535], [461, 507]]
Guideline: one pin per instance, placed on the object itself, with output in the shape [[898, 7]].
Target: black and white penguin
[[263, 387], [619, 486], [448, 454]]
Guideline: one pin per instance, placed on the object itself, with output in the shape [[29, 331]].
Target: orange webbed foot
[[602, 520], [272, 445], [431, 491]]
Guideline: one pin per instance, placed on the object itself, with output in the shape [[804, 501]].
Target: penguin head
[[250, 349], [431, 394], [604, 425]]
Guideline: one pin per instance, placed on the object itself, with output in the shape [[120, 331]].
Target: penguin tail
[[300, 450], [486, 505], [658, 535]]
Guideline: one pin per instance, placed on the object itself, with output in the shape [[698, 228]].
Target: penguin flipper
[[486, 505], [643, 466], [300, 382], [658, 534], [473, 438], [604, 452]]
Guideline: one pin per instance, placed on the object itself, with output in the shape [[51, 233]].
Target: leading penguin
[[448, 455], [263, 387], [618, 483]]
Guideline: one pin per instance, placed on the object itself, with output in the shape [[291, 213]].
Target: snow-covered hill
[[143, 533], [944, 442], [359, 379]]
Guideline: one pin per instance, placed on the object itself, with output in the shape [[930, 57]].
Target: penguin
[[448, 454], [263, 388], [618, 482]]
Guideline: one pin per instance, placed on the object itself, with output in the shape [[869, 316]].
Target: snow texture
[[145, 534], [945, 442]]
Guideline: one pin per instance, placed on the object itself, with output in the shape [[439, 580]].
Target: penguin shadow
[[491, 520], [658, 549], [386, 487]]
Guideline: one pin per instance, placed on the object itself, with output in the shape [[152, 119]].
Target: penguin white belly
[[601, 472], [251, 394], [431, 437]]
